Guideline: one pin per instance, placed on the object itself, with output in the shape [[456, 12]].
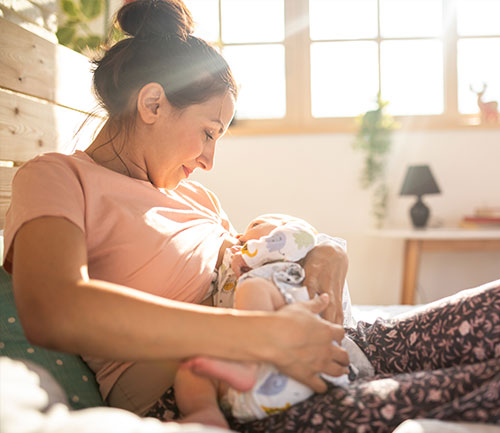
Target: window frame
[[299, 119]]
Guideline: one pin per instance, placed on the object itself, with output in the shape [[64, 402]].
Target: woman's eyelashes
[[209, 135]]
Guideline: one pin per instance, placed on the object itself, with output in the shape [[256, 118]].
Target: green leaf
[[69, 8], [91, 8], [65, 35], [93, 41], [115, 35], [79, 44], [72, 22]]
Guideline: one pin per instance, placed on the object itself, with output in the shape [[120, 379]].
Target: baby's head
[[265, 224]]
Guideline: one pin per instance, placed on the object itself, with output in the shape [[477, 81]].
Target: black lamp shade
[[419, 181]]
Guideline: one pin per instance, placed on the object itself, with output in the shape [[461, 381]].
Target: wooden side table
[[417, 241]]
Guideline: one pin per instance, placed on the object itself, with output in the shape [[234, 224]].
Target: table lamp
[[419, 181]]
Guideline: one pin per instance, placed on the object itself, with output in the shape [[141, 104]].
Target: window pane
[[343, 19], [476, 67], [478, 17], [206, 16], [344, 78], [412, 76], [407, 18], [260, 73], [253, 21]]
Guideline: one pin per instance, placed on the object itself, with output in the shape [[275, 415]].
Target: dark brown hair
[[160, 48]]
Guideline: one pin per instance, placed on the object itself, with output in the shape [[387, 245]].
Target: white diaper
[[272, 393]]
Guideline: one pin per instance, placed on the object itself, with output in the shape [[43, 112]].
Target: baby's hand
[[238, 264]]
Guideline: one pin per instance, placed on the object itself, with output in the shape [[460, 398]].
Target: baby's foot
[[239, 375]]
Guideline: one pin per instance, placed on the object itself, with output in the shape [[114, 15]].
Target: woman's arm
[[60, 307], [326, 269]]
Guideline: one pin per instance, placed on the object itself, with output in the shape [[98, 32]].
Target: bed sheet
[[369, 313]]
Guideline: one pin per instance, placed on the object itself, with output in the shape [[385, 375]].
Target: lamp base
[[419, 214]]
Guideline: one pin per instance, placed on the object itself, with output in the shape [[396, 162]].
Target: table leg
[[410, 271]]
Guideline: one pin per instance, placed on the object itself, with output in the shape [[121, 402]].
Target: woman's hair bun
[[148, 19]]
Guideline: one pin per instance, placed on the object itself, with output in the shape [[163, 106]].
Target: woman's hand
[[304, 347], [326, 268], [238, 264]]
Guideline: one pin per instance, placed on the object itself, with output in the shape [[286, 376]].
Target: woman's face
[[183, 140]]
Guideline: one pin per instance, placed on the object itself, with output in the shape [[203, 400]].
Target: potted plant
[[79, 19], [374, 139]]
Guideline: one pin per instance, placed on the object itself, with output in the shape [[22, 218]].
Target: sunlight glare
[[343, 19], [253, 21], [412, 76], [206, 17], [477, 66], [411, 18], [478, 17], [260, 72], [344, 78]]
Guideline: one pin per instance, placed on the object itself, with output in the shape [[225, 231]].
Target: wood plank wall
[[45, 95]]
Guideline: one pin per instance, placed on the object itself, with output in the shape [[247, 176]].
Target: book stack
[[483, 218]]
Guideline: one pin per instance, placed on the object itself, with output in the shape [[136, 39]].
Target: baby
[[263, 273], [237, 259]]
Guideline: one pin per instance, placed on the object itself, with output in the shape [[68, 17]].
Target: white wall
[[316, 177]]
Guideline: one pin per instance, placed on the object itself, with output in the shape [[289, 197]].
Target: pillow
[[74, 376]]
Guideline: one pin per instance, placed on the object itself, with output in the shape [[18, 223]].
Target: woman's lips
[[187, 171]]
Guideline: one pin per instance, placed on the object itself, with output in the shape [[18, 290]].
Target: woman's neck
[[112, 150]]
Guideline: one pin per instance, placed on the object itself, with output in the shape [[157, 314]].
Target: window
[[315, 65]]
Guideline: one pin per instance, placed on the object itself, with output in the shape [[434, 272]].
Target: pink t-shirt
[[157, 241]]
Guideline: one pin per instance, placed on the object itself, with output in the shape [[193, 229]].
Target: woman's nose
[[206, 159]]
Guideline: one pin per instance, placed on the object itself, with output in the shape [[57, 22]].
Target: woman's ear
[[150, 97]]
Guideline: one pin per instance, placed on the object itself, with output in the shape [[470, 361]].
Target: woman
[[102, 244]]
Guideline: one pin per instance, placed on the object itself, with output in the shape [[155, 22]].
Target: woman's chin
[[169, 184]]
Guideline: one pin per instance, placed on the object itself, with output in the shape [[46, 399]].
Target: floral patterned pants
[[440, 362]]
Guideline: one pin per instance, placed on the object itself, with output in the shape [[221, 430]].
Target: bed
[[44, 96]]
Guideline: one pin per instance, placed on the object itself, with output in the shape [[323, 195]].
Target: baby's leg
[[258, 294], [251, 294], [197, 399]]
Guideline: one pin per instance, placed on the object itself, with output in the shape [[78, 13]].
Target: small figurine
[[489, 110]]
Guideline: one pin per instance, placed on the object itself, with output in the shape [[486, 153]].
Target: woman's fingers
[[308, 377], [322, 304], [316, 383], [315, 288], [326, 331], [309, 374], [318, 304], [326, 267], [309, 345], [340, 356]]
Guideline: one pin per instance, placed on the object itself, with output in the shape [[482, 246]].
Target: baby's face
[[261, 226]]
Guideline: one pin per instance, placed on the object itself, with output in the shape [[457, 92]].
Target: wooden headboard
[[45, 95]]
